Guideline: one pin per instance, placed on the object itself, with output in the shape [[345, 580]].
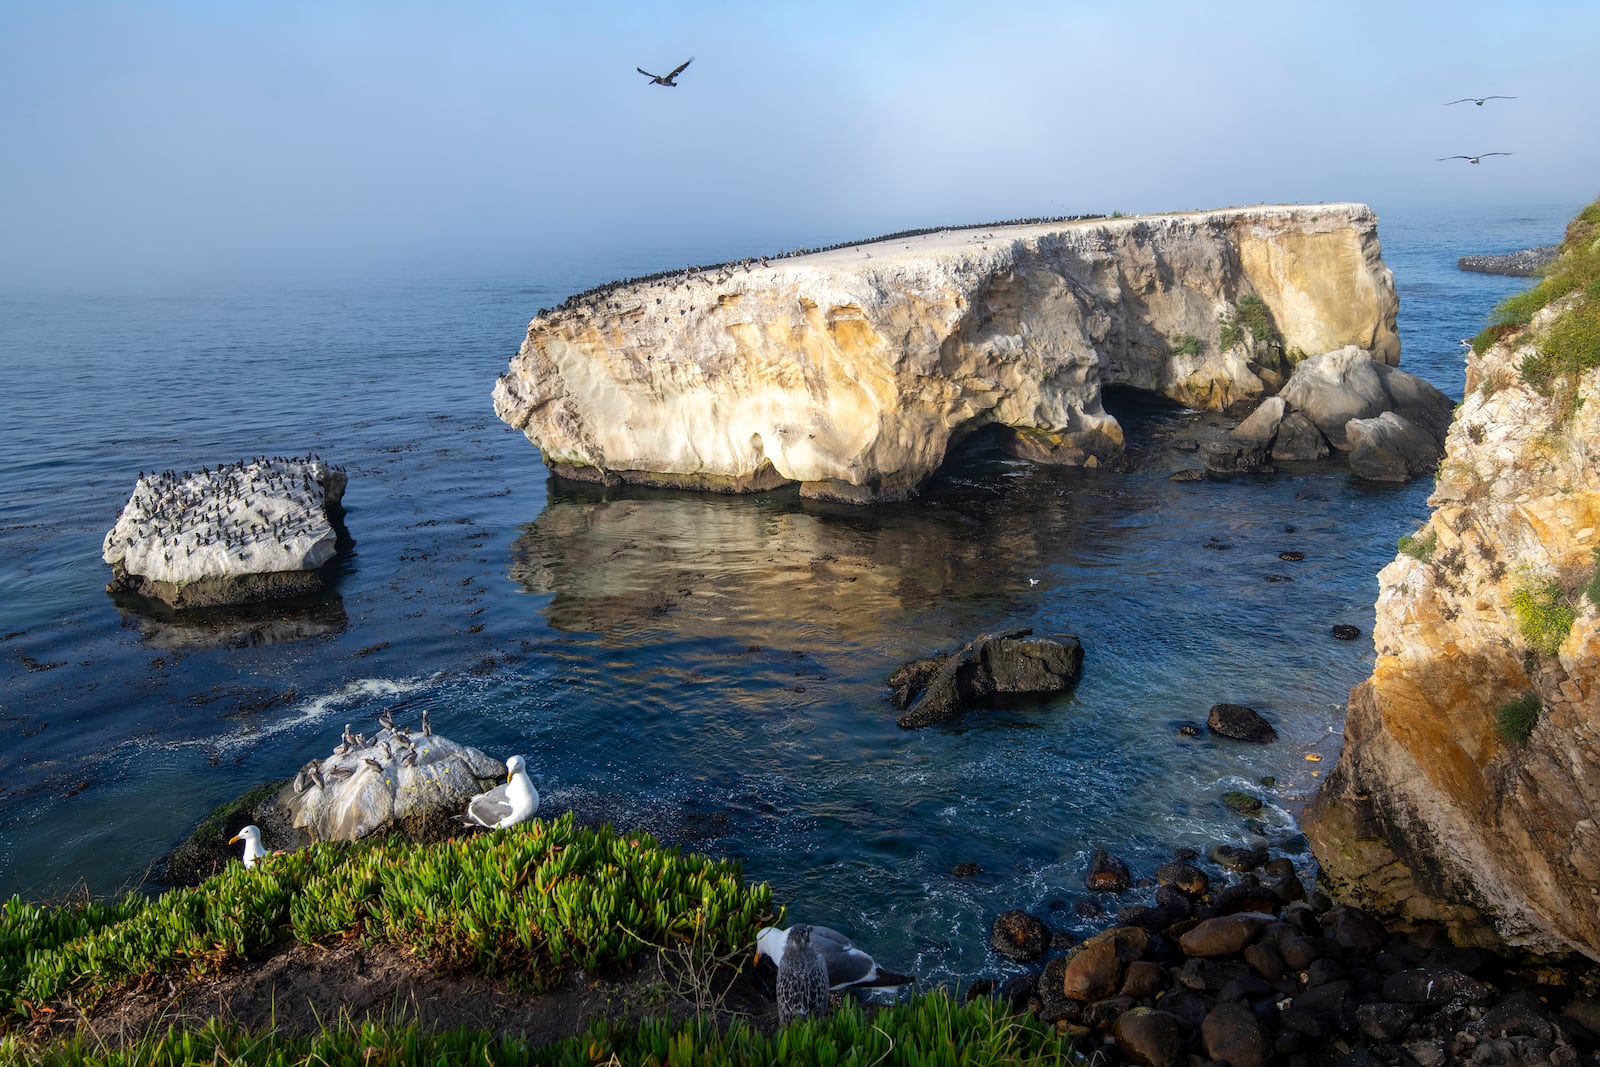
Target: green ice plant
[[932, 1029], [530, 903]]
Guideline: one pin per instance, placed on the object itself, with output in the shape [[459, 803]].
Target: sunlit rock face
[[254, 530], [852, 371], [1435, 812]]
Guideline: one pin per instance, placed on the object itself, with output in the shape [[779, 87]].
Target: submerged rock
[[255, 530], [1240, 723]]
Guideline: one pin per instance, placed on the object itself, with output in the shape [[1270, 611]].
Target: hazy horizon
[[179, 143]]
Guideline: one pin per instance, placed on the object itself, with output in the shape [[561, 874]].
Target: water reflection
[[245, 626]]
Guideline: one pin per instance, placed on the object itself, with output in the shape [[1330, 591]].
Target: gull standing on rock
[[505, 805]]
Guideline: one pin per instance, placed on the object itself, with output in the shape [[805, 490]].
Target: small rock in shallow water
[[1292, 557], [1017, 935], [1240, 723], [1345, 632], [1107, 874]]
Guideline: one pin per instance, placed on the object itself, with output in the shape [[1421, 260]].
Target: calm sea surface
[[706, 668]]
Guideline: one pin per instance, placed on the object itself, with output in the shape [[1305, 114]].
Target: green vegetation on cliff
[[531, 904], [1571, 345]]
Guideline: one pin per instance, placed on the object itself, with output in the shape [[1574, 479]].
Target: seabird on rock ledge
[[505, 805]]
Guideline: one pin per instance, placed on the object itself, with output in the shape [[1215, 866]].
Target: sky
[[169, 143]]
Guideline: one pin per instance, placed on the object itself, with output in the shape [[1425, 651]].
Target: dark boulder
[[1240, 723], [990, 667], [1017, 935], [1233, 1035], [1107, 874], [1150, 1038], [1184, 877]]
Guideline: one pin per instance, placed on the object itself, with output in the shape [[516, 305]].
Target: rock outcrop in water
[[254, 530], [852, 371], [1525, 263], [1468, 790]]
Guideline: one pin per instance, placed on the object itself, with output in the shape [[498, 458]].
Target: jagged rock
[[1424, 985], [255, 530], [1184, 877], [1432, 814], [1229, 456], [1261, 426], [990, 666], [851, 371], [1240, 723]]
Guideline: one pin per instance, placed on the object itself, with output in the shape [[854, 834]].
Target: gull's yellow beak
[[235, 837]]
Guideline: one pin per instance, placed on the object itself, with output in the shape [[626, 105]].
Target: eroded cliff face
[[852, 371], [1434, 811]]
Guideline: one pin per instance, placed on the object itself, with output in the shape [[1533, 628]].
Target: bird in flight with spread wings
[[668, 79], [1476, 100], [1474, 159]]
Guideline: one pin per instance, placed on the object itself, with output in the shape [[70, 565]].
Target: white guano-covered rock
[[852, 371], [252, 530]]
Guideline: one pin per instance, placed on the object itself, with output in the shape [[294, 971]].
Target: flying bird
[[1474, 159], [668, 80], [1477, 100]]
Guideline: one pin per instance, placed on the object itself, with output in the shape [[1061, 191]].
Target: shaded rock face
[[1391, 423], [851, 372], [1434, 813], [991, 666], [255, 530]]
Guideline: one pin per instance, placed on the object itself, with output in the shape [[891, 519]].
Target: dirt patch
[[303, 989]]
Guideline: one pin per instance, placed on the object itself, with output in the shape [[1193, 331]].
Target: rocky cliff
[[852, 371], [1468, 790]]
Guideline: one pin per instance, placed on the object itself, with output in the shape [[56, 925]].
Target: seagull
[[656, 79], [505, 805], [251, 836], [1474, 159], [1477, 100], [802, 987], [847, 965]]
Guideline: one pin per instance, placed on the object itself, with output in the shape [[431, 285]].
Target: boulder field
[[852, 371]]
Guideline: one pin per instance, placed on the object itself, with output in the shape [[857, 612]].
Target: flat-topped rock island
[[259, 529], [852, 371]]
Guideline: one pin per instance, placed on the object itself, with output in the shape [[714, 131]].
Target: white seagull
[[847, 964], [667, 80], [251, 836], [505, 805], [1474, 159], [1476, 100]]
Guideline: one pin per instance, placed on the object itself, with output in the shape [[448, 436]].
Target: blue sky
[[173, 142]]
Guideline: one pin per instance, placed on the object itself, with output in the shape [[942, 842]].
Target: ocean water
[[709, 669]]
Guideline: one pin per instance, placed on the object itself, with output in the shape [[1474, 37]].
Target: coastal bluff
[[853, 371], [1468, 789]]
